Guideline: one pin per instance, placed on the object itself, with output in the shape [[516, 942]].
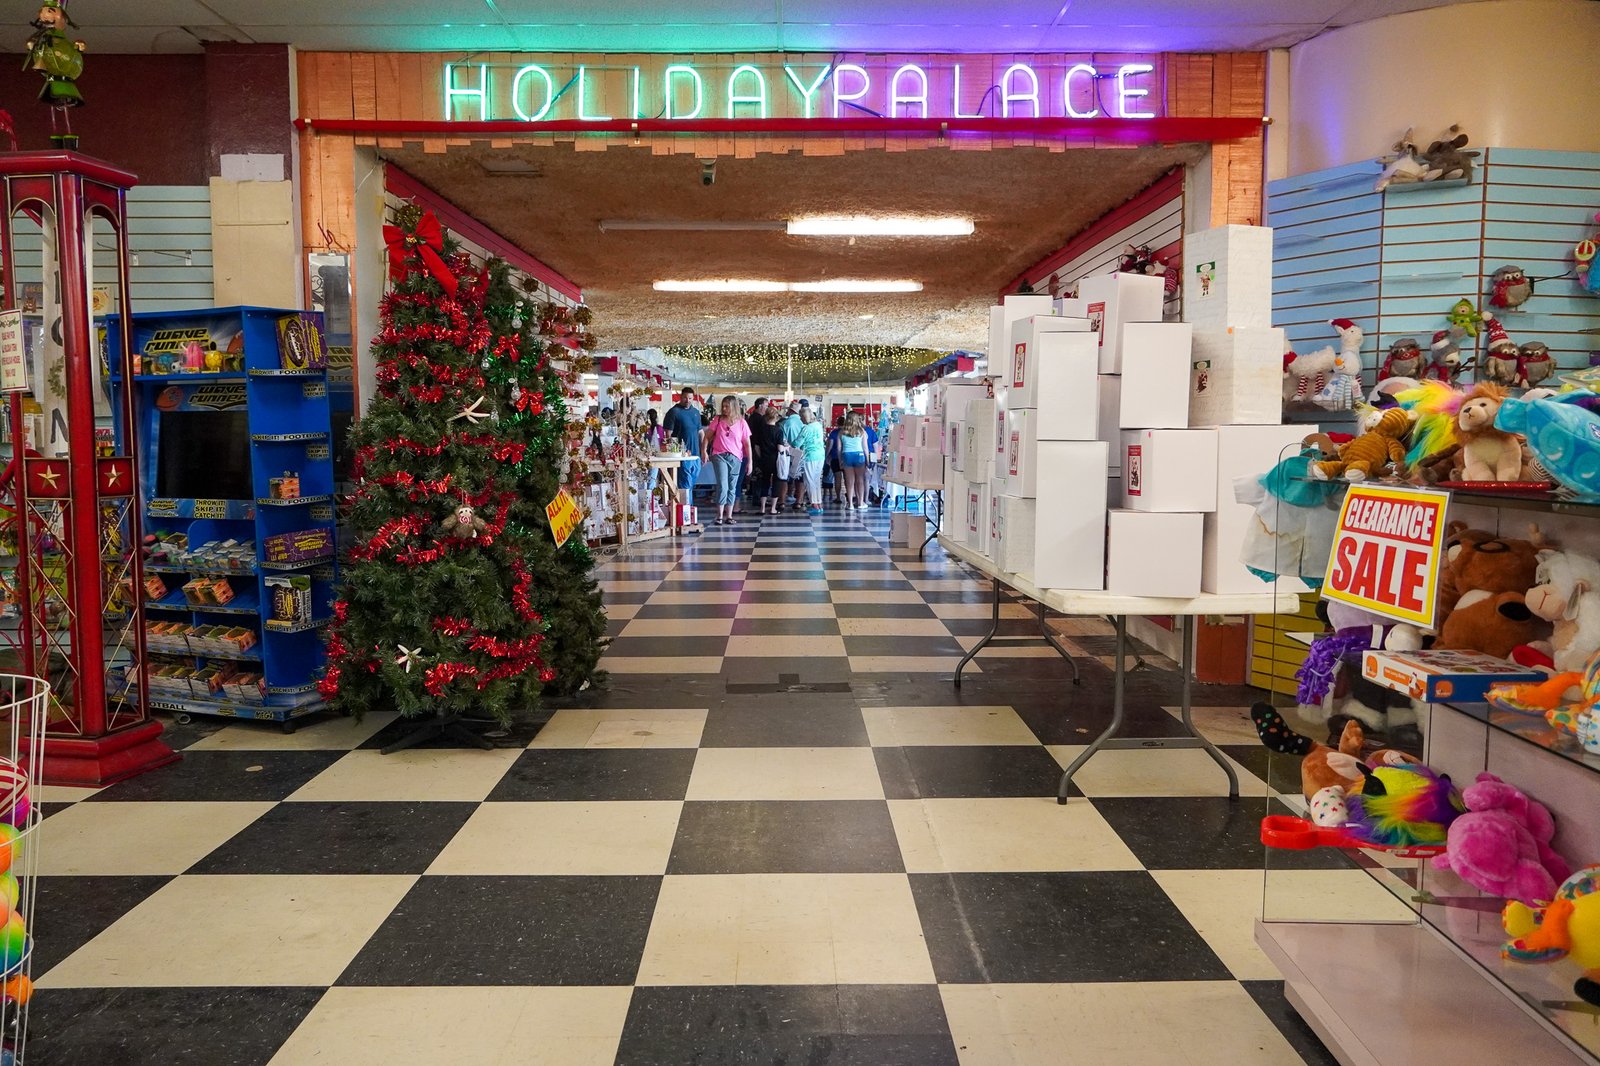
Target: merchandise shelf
[[274, 626], [1544, 502], [298, 501], [299, 564], [1530, 729], [286, 427], [203, 571], [239, 657]]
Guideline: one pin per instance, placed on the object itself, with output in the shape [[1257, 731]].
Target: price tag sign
[[563, 515], [13, 357], [1387, 551]]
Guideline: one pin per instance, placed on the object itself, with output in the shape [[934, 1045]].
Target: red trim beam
[[454, 218], [1165, 130]]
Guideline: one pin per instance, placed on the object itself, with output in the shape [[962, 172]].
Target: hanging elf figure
[[60, 60]]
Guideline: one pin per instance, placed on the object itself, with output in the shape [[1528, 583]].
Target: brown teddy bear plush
[[1494, 624], [1478, 559]]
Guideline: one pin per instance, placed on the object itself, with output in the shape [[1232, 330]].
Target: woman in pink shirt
[[727, 439]]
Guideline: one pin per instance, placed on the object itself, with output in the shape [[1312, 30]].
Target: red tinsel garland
[[452, 627]]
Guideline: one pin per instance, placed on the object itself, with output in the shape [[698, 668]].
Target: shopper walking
[[853, 451], [684, 424], [835, 467], [813, 449], [768, 444], [727, 440], [756, 419], [792, 425]]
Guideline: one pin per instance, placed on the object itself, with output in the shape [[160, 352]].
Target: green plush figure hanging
[[53, 54]]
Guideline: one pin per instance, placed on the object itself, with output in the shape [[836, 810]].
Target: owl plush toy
[[1510, 288]]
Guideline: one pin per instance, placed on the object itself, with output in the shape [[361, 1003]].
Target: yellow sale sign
[[1387, 550], [563, 516]]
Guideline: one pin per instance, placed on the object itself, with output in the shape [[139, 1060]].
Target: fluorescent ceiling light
[[608, 225], [721, 285], [855, 285], [753, 285], [881, 226]]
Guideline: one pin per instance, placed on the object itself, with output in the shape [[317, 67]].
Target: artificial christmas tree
[[452, 566], [544, 343]]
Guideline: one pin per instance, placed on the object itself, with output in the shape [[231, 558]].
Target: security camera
[[708, 171]]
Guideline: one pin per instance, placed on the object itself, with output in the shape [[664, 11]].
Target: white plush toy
[[1568, 597]]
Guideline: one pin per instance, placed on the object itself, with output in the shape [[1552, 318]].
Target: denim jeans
[[726, 466], [688, 473]]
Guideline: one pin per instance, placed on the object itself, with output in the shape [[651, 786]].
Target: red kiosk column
[[78, 533]]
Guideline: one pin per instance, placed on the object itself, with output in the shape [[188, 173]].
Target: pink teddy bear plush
[[1502, 844]]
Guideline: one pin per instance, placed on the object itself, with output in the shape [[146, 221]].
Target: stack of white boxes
[[1103, 401], [1235, 383], [916, 450]]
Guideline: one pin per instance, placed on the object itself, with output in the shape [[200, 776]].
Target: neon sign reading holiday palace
[[939, 87]]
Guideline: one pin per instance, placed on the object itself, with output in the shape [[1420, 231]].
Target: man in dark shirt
[[683, 421], [756, 419]]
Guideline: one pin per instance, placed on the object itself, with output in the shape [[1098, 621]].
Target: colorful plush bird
[[1510, 288], [1404, 805], [1568, 928]]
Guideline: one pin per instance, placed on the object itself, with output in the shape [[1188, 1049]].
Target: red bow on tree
[[423, 244]]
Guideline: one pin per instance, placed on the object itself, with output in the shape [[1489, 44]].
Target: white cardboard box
[[976, 518], [1169, 469], [1227, 277], [952, 442], [1021, 460], [996, 494], [1065, 390], [1236, 377], [907, 529], [1069, 524], [1002, 404], [1152, 553], [1013, 548], [979, 430], [930, 431], [1110, 301], [1109, 416], [1156, 362], [1070, 307], [1242, 451], [956, 396], [1001, 318], [955, 502], [1027, 340]]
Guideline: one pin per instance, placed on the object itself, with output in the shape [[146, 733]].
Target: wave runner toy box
[[1440, 676]]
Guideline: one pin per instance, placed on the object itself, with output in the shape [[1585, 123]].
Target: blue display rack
[[207, 494]]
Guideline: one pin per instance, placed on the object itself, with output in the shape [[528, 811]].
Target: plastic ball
[[13, 941], [8, 845], [7, 1057], [18, 814], [10, 890], [19, 988]]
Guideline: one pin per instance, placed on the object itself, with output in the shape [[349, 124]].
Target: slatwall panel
[[1537, 206], [169, 242], [1154, 217], [1327, 231], [1395, 262], [1161, 228]]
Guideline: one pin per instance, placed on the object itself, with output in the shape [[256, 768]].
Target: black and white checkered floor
[[780, 836]]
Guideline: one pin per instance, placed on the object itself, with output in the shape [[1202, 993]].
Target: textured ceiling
[[1025, 202], [724, 25]]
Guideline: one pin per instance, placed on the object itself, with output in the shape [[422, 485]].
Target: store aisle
[[780, 836]]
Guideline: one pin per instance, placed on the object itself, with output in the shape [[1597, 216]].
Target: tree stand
[[439, 727]]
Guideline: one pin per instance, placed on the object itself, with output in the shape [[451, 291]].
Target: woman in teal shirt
[[810, 441]]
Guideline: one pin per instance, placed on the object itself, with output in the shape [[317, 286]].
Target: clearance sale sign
[[1387, 550]]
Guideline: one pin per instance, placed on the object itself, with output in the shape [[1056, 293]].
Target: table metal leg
[[1118, 676], [987, 637], [1188, 711], [938, 518], [1050, 638]]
